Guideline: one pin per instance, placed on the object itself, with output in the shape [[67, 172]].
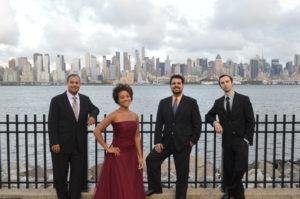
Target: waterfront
[[270, 100], [266, 99]]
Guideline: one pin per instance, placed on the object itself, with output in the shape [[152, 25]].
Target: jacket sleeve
[[249, 120], [53, 118], [93, 110], [196, 122], [158, 125], [210, 117]]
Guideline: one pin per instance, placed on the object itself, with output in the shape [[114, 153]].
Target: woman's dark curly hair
[[119, 88]]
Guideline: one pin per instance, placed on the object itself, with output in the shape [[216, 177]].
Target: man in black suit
[[69, 115], [236, 124], [178, 128]]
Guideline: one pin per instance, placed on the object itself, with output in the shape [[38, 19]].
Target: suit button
[[172, 133], [233, 132], [173, 123]]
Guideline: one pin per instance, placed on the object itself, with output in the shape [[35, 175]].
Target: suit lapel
[[235, 102], [81, 106], [180, 106], [221, 104], [68, 105], [169, 105]]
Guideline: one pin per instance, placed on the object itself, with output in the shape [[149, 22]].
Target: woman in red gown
[[121, 174]]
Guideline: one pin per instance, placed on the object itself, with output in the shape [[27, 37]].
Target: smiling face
[[176, 86], [124, 99], [73, 85], [226, 84]]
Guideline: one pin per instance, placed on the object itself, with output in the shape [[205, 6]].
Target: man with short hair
[[236, 124], [178, 128], [69, 115]]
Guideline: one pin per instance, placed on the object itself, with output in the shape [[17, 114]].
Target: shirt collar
[[230, 96], [70, 95]]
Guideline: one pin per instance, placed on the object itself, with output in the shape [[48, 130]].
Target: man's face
[[176, 86], [73, 85], [226, 84]]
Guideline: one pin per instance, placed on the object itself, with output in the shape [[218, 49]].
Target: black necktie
[[227, 105]]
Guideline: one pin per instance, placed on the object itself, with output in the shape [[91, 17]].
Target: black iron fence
[[274, 158]]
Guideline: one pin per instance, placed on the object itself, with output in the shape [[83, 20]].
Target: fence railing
[[274, 158]]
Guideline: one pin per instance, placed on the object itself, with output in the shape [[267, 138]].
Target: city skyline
[[142, 69], [180, 29]]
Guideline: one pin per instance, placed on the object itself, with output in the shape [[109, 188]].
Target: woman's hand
[[141, 163], [114, 150]]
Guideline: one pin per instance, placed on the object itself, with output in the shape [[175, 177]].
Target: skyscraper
[[37, 66], [297, 63], [126, 62], [189, 66], [219, 65], [59, 74], [76, 66]]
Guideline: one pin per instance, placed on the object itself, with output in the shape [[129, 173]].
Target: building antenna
[[262, 53]]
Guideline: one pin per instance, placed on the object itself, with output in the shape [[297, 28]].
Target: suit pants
[[61, 163], [235, 165], [181, 159]]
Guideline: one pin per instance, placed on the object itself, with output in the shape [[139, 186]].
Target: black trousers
[[181, 159], [235, 165], [61, 163]]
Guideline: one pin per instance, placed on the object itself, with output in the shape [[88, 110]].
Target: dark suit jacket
[[62, 125], [239, 122], [184, 127]]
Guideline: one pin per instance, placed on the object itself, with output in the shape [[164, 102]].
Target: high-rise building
[[167, 67], [254, 68], [161, 69], [126, 62], [117, 63], [91, 66], [12, 63], [21, 62], [75, 66], [297, 63], [105, 68], [289, 67], [276, 67], [59, 74], [203, 64], [27, 73], [189, 66], [46, 63], [219, 66], [37, 66]]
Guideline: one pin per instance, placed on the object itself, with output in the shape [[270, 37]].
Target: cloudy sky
[[236, 29]]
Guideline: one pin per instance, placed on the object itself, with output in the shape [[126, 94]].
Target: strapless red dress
[[120, 177]]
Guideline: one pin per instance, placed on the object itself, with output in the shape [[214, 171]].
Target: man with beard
[[69, 115], [236, 124], [178, 127]]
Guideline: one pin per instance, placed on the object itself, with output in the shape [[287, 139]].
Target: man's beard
[[176, 92]]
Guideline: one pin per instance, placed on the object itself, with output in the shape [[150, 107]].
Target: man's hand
[[91, 120], [191, 144], [159, 147], [55, 148], [218, 127]]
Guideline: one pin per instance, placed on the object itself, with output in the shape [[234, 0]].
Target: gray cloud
[[9, 33], [62, 36], [237, 29]]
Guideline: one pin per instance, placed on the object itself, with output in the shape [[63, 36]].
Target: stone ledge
[[286, 193]]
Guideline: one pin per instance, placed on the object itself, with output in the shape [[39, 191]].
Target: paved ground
[[167, 194]]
